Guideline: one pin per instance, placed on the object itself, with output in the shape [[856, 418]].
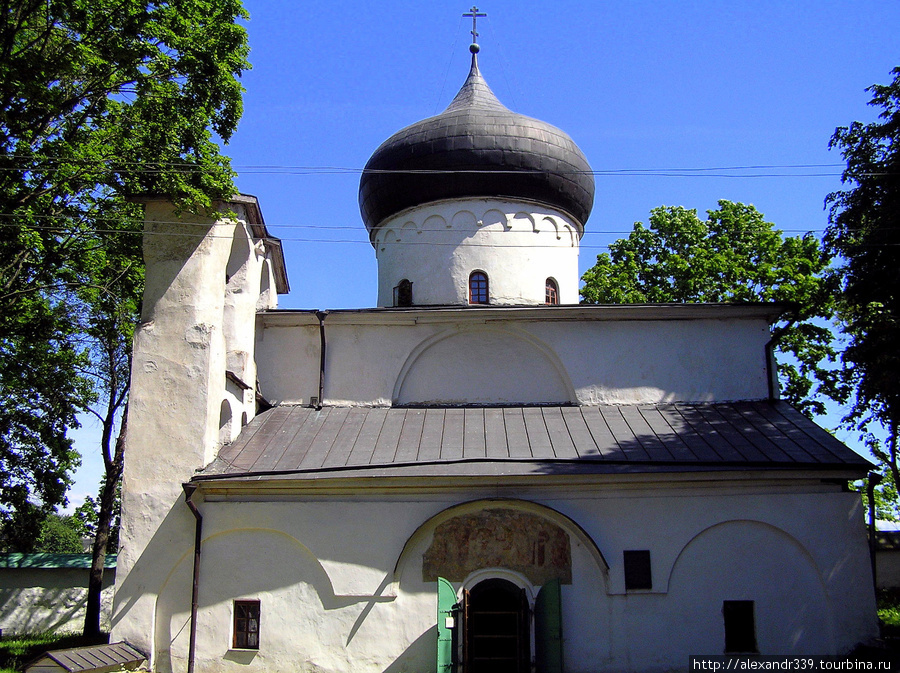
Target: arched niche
[[235, 270], [225, 418], [240, 302], [266, 299], [746, 560], [483, 365], [522, 537]]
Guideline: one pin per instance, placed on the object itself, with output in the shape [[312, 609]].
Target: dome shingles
[[476, 148]]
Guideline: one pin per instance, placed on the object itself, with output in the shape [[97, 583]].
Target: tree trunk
[[101, 539]]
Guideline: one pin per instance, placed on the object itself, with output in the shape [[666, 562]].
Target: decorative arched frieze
[[408, 229], [522, 221], [464, 220], [550, 224], [434, 223], [496, 217]]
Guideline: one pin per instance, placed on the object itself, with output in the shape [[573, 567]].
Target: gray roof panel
[[91, 658], [302, 440]]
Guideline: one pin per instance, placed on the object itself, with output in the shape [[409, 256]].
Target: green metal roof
[[51, 561]]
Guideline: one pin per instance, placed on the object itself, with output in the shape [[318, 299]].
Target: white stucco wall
[[339, 574], [518, 245], [583, 355], [205, 277], [37, 600]]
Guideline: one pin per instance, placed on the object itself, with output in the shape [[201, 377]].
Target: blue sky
[[672, 102]]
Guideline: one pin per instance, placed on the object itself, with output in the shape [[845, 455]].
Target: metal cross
[[474, 14]]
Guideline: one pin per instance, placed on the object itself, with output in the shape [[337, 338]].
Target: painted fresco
[[499, 538]]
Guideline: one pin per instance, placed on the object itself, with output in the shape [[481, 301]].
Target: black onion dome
[[476, 148]]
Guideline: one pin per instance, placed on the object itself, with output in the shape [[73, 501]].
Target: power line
[[281, 169], [321, 227]]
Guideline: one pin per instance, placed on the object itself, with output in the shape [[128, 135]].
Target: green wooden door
[[445, 604], [548, 629]]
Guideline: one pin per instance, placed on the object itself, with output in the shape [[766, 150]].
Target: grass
[[888, 601], [17, 651]]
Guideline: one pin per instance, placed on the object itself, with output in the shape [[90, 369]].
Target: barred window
[[246, 625], [478, 287]]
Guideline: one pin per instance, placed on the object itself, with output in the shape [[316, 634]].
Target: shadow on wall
[[297, 598], [423, 648], [31, 606]]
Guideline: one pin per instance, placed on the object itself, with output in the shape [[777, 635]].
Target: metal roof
[[302, 442], [91, 658], [52, 561], [476, 148]]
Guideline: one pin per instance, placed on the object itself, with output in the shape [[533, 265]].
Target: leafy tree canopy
[[864, 230], [100, 101], [60, 535], [732, 256]]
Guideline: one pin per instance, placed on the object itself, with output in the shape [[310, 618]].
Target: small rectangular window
[[478, 288], [403, 293], [246, 625], [740, 626], [637, 569]]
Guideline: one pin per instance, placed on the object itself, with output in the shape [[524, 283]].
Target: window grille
[[478, 288], [246, 625]]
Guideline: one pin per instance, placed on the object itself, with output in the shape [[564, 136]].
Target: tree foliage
[[88, 516], [100, 101], [864, 229], [732, 256], [60, 535]]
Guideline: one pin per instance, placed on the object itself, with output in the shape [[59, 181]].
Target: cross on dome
[[474, 13]]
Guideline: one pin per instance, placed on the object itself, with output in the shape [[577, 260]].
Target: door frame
[[513, 577]]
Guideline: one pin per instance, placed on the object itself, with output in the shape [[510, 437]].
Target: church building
[[478, 474]]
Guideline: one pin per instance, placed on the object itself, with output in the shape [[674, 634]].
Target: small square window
[[740, 626], [637, 569], [246, 625]]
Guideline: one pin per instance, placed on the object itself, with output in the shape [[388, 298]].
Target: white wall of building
[[582, 355], [193, 385], [339, 576], [518, 245]]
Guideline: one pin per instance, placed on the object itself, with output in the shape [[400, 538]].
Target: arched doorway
[[497, 628]]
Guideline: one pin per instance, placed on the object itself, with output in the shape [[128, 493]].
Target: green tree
[[39, 396], [88, 514], [864, 230], [59, 535], [732, 256], [100, 101], [107, 326]]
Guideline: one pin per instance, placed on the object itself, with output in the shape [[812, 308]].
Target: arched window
[[403, 293], [478, 287], [552, 293]]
